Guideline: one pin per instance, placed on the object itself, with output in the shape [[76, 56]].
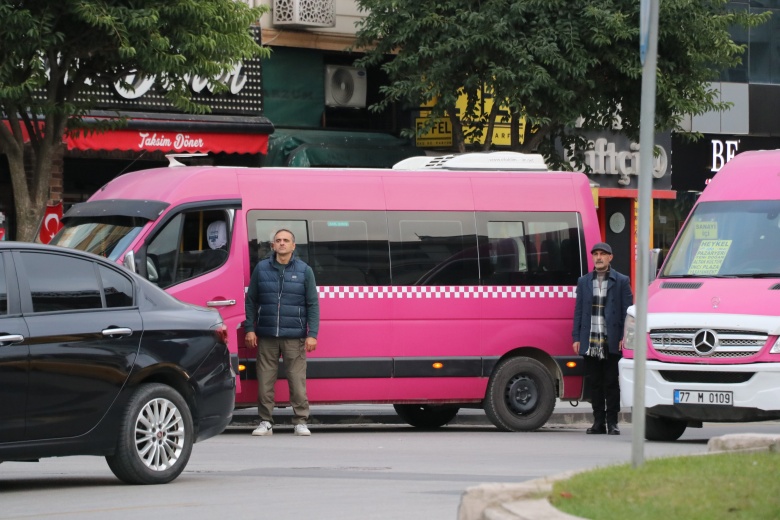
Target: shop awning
[[335, 148], [178, 133]]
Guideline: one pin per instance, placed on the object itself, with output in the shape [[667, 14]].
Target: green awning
[[324, 148]]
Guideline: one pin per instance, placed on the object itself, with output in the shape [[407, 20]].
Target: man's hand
[[250, 340], [311, 344], [576, 347]]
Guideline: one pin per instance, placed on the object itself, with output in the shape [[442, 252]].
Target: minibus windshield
[[104, 236], [728, 239]]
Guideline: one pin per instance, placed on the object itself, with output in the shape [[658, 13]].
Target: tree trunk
[[30, 178]]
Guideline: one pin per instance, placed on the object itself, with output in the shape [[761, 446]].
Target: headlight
[[776, 347], [629, 332]]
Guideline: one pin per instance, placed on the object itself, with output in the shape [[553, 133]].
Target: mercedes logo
[[705, 342]]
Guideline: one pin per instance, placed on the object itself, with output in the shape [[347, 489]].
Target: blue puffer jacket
[[282, 300]]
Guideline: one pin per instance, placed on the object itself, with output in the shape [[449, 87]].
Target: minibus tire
[[520, 396], [662, 429], [426, 416], [134, 461]]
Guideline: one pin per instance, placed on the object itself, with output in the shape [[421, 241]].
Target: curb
[[248, 419]]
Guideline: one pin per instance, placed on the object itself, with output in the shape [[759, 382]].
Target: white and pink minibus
[[713, 315], [440, 288]]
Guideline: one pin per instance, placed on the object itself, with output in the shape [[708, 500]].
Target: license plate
[[703, 397]]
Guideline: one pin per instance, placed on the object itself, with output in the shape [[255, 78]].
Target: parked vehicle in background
[[95, 360], [442, 285], [713, 318]]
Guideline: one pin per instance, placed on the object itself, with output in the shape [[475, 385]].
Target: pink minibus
[[713, 315], [440, 287]]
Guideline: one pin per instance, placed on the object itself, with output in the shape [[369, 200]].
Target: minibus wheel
[[426, 416], [663, 429], [520, 396]]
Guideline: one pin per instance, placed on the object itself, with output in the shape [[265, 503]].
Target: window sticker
[[709, 257], [705, 230]]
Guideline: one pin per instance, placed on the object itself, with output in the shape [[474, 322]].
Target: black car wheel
[[155, 438], [426, 416], [520, 395]]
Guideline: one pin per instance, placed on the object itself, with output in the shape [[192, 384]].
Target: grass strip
[[732, 486]]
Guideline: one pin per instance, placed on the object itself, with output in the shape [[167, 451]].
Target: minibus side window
[[343, 248], [529, 248], [428, 248]]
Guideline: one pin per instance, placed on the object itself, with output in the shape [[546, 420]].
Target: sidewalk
[[351, 414]]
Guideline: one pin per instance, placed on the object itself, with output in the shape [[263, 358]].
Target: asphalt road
[[341, 472]]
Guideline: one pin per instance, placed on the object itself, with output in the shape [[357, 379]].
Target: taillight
[[221, 332]]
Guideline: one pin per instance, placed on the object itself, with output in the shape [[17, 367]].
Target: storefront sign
[[169, 141], [695, 163], [613, 161]]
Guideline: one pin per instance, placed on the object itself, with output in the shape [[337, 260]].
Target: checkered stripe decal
[[446, 291]]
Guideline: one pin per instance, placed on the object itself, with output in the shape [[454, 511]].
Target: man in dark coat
[[603, 296]]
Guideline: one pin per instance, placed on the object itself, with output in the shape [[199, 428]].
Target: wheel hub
[[522, 395]]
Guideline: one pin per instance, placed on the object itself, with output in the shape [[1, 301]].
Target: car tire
[[520, 396], [155, 437], [425, 416], [662, 429]]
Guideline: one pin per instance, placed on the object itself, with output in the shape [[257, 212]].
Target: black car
[[95, 360]]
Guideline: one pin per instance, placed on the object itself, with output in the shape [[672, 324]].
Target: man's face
[[283, 243], [601, 260]]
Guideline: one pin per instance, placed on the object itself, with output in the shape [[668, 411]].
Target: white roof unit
[[495, 161]]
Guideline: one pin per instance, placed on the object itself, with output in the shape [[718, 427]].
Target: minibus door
[[197, 257]]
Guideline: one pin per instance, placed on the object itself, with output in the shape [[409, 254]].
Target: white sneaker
[[264, 428], [301, 429]]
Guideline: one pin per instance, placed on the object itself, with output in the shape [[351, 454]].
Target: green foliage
[[719, 486], [52, 52], [553, 62]]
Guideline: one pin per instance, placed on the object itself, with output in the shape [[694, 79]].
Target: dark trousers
[[605, 388]]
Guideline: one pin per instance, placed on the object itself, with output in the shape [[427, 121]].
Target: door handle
[[220, 303], [118, 331], [10, 339]]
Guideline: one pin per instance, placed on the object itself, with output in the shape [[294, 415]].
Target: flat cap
[[601, 246]]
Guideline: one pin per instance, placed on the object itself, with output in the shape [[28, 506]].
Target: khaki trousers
[[293, 351]]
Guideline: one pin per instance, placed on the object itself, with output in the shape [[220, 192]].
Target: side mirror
[[129, 260], [655, 256]]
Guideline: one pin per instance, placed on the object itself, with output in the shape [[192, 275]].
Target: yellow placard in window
[[705, 230], [709, 257]]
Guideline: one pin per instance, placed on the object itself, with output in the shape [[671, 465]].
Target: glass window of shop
[[761, 59], [668, 217]]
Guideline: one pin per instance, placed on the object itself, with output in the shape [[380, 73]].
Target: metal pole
[[646, 147]]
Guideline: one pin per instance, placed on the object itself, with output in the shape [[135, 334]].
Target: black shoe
[[597, 429], [613, 429]]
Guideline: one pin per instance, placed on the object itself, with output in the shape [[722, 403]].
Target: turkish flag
[[51, 224]]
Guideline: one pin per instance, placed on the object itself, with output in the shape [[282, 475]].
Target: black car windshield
[[105, 236], [728, 239]]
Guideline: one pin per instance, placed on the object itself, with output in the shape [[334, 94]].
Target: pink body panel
[[387, 322]]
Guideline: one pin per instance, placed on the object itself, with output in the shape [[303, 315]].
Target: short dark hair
[[286, 230]]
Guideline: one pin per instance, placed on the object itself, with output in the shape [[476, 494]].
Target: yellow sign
[[705, 230], [440, 134], [709, 257]]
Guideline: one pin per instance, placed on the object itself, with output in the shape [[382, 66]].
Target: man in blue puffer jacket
[[283, 311]]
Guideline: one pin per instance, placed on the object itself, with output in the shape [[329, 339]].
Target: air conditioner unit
[[302, 14], [345, 86]]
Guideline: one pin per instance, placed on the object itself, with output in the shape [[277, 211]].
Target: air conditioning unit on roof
[[345, 86], [304, 14]]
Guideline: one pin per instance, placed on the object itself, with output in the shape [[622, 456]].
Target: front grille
[[689, 376], [731, 343]]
